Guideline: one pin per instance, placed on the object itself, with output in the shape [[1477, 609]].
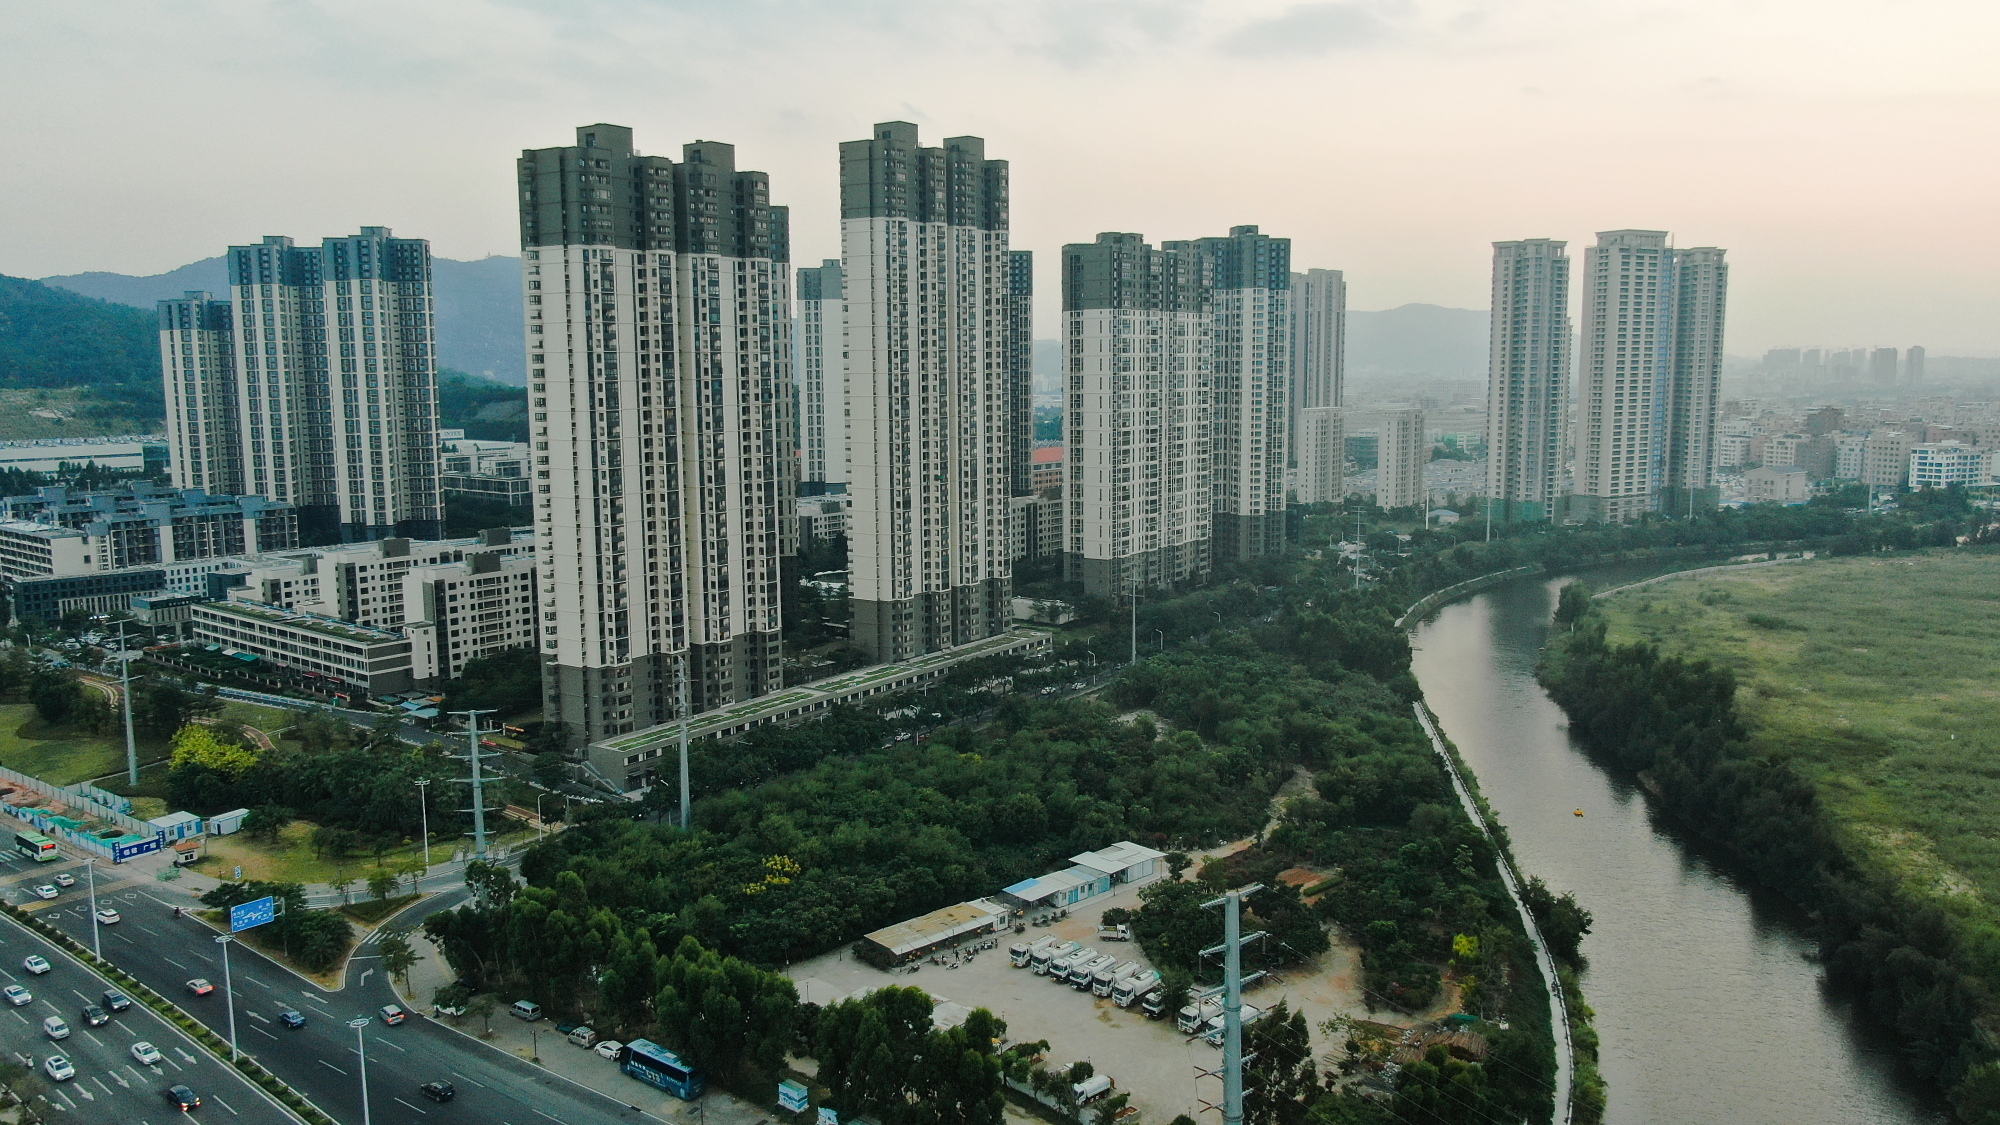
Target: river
[[1709, 1005]]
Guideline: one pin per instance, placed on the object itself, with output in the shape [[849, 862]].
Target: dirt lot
[[1148, 1059]]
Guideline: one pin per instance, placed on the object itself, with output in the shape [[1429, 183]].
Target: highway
[[321, 1059], [110, 1084]]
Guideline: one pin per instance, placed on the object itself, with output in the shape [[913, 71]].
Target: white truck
[[1021, 951], [1092, 1088], [1060, 971], [1196, 1015], [1213, 1032], [1104, 980], [1043, 959], [1083, 972], [1155, 1002], [1119, 932], [1135, 987]]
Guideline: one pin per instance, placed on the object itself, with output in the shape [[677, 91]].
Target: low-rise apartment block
[[374, 660]]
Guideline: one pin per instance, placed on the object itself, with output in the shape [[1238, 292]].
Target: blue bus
[[656, 1066]]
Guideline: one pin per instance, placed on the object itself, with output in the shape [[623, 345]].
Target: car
[[17, 996], [94, 1016], [200, 986], [35, 963], [609, 1048], [65, 879], [438, 1091], [393, 1014], [58, 1068], [291, 1017], [147, 1054], [182, 1098], [55, 1028], [116, 1000], [107, 915], [45, 891]]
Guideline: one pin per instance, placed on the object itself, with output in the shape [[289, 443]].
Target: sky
[[1843, 151]]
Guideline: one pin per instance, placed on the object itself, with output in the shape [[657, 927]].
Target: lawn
[[292, 860], [1880, 679], [63, 756]]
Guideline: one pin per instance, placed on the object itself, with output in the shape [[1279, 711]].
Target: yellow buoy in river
[[1579, 812]]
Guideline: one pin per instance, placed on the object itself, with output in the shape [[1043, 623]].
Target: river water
[[1709, 1006]]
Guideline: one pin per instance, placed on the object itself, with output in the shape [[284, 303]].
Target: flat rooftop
[[309, 622]]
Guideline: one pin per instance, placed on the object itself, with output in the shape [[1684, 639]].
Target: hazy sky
[[1844, 151]]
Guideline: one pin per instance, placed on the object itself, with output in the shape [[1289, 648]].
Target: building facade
[[458, 612], [1249, 278], [657, 303], [1942, 464], [1650, 376], [822, 379], [1320, 435], [1319, 371], [1138, 346], [1020, 371], [1527, 384], [321, 371], [1777, 484], [143, 524], [926, 270], [1885, 458], [1401, 452]]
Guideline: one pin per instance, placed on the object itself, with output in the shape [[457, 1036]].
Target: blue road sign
[[251, 914]]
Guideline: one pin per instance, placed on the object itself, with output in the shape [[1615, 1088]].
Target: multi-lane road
[[322, 1059]]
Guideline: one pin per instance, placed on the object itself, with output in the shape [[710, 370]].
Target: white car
[[147, 1054], [45, 891], [58, 1069], [17, 996], [65, 879], [55, 1028], [609, 1048], [107, 915], [34, 963]]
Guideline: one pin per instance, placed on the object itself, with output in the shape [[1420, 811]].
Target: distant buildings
[[657, 309], [1401, 452], [927, 277], [1913, 366], [822, 401], [1318, 373], [1886, 458], [1320, 438], [54, 532], [1649, 376], [1020, 371], [1771, 484], [498, 471], [1528, 381], [314, 384]]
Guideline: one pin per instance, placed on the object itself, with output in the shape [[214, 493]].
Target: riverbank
[[1832, 728]]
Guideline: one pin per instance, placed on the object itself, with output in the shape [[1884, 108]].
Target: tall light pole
[[1162, 634], [90, 873], [228, 995], [1135, 617], [125, 682], [684, 736], [358, 1023], [424, 804]]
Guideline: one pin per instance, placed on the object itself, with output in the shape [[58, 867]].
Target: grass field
[[60, 407], [62, 756], [1879, 679]]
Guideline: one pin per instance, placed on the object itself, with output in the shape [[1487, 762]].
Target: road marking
[[386, 1043], [331, 1067], [551, 1117], [255, 1016], [426, 1113], [315, 999], [175, 964], [182, 1052], [102, 1086], [87, 1095], [364, 976], [148, 929], [463, 1078], [123, 938], [120, 1079], [264, 1033], [255, 981], [225, 1105], [65, 1098], [23, 1019], [93, 1038], [79, 995]]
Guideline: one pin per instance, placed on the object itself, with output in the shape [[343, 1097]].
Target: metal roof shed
[[918, 936], [1124, 862]]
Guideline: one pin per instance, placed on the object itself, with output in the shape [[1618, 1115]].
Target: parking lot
[[1148, 1059]]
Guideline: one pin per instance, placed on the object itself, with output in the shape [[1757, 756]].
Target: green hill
[[53, 339]]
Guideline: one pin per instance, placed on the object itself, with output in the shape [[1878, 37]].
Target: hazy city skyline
[[1827, 149]]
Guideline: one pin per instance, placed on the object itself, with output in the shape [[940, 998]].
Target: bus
[[35, 846], [656, 1066]]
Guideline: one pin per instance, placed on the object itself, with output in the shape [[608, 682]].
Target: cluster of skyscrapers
[[1648, 372]]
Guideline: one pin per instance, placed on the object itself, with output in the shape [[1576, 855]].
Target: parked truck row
[[1084, 969]]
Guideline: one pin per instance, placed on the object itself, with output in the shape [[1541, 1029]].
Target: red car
[[200, 986]]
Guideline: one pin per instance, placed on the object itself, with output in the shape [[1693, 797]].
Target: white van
[[525, 1010], [583, 1037]]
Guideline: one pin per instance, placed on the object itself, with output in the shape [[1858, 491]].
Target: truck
[[1082, 972], [1104, 980], [1214, 1030], [1041, 959], [1059, 971], [1155, 1003], [1092, 1088], [1119, 932], [1196, 1015], [1135, 987], [1021, 951]]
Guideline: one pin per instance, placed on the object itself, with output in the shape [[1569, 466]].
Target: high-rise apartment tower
[[658, 311], [822, 413], [1319, 365], [1527, 378], [1650, 376], [1021, 371], [1138, 340], [927, 273], [314, 384]]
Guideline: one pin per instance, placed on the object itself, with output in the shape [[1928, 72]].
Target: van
[[525, 1010], [583, 1037]]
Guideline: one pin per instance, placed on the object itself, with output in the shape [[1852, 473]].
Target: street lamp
[[228, 994], [90, 874], [357, 1023], [541, 826], [423, 803], [1162, 634]]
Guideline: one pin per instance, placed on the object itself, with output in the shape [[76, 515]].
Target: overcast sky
[[1844, 151]]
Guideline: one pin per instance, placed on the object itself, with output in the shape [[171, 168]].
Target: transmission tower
[[477, 780]]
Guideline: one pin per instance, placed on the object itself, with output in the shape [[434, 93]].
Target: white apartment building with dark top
[[657, 305], [822, 379], [926, 273], [1527, 378], [1319, 374]]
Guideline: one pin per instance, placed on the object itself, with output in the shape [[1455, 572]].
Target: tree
[[1977, 1097], [197, 746], [549, 770], [482, 1007], [160, 707], [1572, 603], [493, 883], [397, 956], [56, 694], [267, 822], [726, 1016], [881, 1055], [382, 883], [1563, 923], [1281, 1067]]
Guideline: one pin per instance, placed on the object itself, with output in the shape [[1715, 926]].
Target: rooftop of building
[[309, 622]]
